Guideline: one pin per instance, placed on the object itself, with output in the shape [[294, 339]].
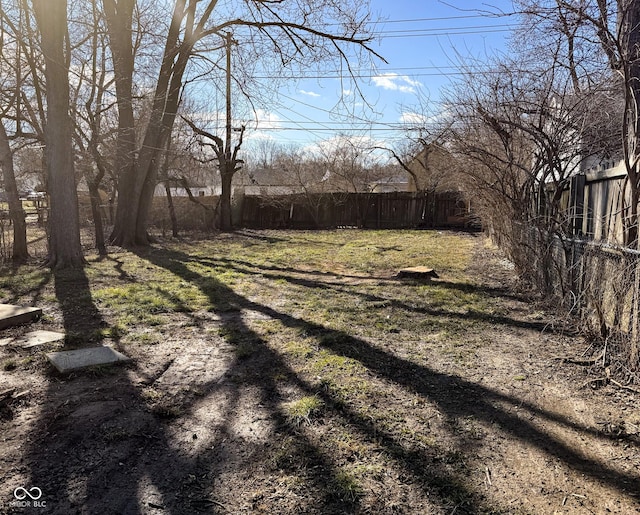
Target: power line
[[490, 28], [306, 104], [383, 74], [332, 129], [460, 32], [446, 18], [440, 18], [435, 32]]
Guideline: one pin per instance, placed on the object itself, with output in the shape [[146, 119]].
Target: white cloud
[[262, 125], [395, 82], [413, 118], [309, 93], [347, 92], [267, 120]]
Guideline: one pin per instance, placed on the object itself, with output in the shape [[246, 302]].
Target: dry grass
[[341, 389]]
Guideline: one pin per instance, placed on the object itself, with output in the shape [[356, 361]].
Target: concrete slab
[[16, 315], [33, 339], [71, 360], [421, 272]]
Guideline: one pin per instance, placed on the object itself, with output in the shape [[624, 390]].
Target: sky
[[421, 40]]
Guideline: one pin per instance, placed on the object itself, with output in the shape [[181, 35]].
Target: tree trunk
[[629, 18], [172, 210], [16, 213], [119, 18], [94, 196], [632, 223], [225, 201], [93, 182], [65, 249], [137, 172]]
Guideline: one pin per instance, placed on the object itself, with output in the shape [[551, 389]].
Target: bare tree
[[611, 29], [93, 126], [520, 137], [16, 212], [228, 164], [15, 110], [303, 39], [308, 175], [351, 167], [64, 234]]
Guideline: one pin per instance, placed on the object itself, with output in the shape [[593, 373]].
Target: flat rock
[[16, 315], [33, 339], [71, 360], [418, 272]]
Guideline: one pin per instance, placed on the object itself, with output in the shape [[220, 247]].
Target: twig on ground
[[582, 362], [487, 474], [5, 394], [586, 351], [624, 387]]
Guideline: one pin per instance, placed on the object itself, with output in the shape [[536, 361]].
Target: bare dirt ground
[[406, 420]]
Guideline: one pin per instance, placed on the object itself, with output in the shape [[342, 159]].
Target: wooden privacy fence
[[595, 204], [368, 210], [397, 210]]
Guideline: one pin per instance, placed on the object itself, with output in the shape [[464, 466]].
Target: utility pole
[[227, 143], [228, 162]]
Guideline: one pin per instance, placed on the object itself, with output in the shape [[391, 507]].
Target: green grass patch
[[303, 410], [347, 486]]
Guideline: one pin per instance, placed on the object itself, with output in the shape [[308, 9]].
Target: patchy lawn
[[291, 372]]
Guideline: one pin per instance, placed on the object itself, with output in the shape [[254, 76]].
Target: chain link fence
[[597, 282]]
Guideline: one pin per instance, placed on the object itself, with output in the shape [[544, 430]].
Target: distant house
[[266, 182], [178, 190], [391, 185]]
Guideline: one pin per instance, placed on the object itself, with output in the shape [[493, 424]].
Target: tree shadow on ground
[[455, 397], [100, 446], [266, 364], [18, 290], [98, 442], [311, 281], [79, 452]]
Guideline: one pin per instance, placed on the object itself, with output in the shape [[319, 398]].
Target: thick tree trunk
[[16, 213], [64, 225], [119, 16], [225, 201], [138, 172], [629, 26]]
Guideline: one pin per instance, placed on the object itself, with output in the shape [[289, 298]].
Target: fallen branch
[[582, 362], [624, 387]]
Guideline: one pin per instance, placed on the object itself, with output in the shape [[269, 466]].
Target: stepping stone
[[17, 315], [33, 339], [71, 360], [418, 272]]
